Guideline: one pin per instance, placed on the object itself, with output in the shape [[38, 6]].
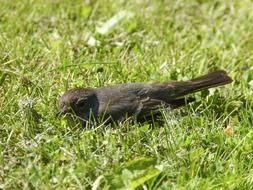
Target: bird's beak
[[63, 112]]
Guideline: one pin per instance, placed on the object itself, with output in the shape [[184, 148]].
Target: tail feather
[[172, 90], [182, 88], [210, 80]]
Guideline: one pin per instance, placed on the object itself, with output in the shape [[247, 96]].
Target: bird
[[116, 103]]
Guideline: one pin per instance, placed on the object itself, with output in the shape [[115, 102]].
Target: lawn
[[47, 47]]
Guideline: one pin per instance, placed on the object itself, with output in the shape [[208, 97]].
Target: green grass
[[44, 52]]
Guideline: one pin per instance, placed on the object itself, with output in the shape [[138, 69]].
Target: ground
[[47, 47]]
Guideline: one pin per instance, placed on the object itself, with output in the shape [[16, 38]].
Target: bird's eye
[[81, 102]]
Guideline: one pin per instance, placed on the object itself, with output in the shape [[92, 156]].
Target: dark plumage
[[116, 103]]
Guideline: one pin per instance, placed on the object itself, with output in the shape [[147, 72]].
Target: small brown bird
[[116, 103]]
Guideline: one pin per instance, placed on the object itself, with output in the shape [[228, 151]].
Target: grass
[[45, 50]]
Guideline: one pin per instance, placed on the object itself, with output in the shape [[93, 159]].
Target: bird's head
[[80, 102]]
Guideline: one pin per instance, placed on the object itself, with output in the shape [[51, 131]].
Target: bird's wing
[[149, 104], [153, 106], [130, 106], [116, 106]]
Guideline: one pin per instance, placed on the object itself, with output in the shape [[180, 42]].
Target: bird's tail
[[213, 79], [210, 80]]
